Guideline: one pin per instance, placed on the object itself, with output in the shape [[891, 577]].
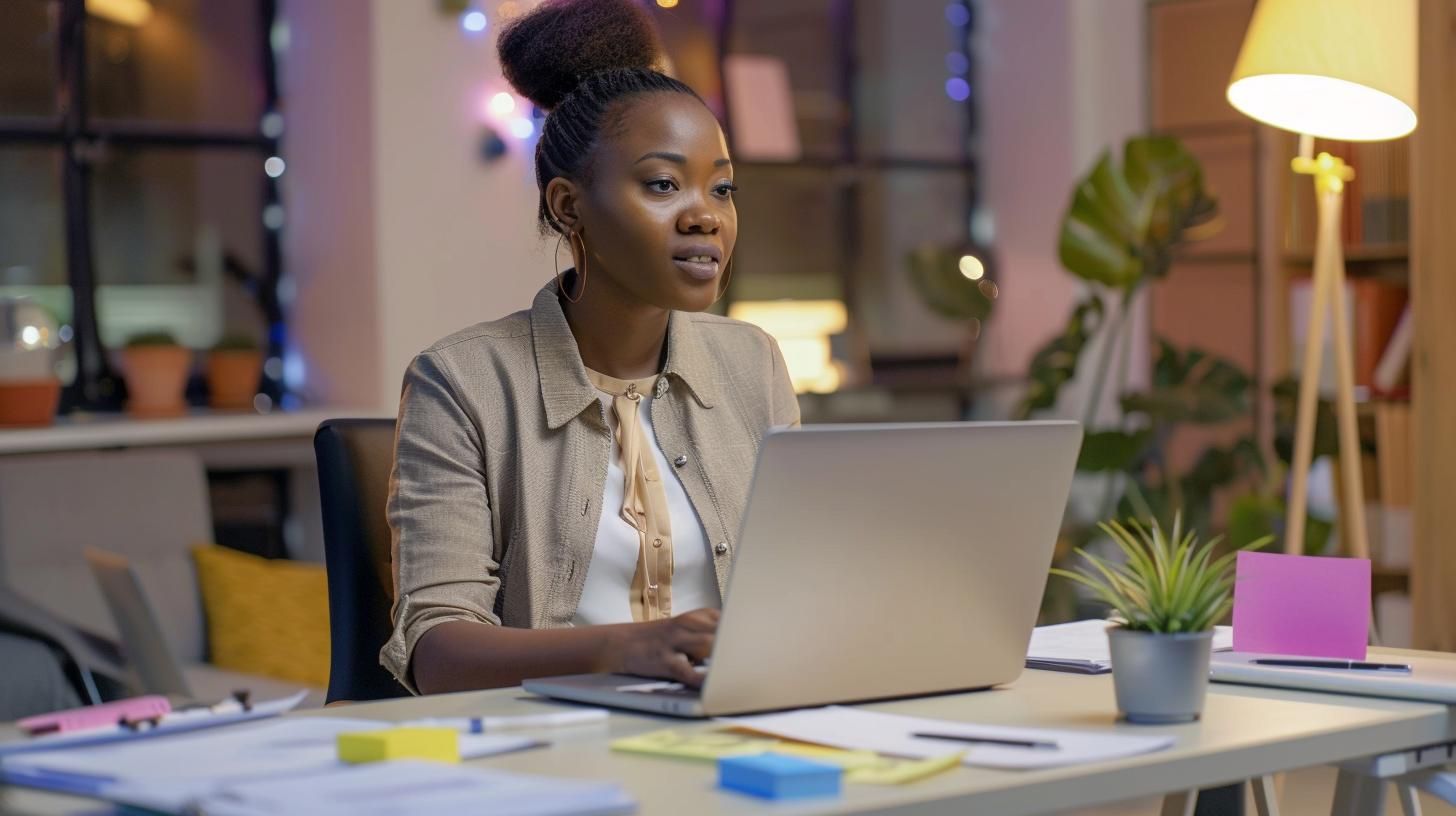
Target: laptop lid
[[880, 561], [142, 638]]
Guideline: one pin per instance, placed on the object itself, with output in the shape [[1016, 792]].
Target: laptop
[[142, 638], [875, 562]]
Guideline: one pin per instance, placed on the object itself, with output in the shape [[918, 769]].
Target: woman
[[569, 480]]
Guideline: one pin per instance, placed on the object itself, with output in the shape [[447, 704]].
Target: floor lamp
[[1333, 69]]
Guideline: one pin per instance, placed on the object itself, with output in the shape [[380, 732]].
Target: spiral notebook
[[1081, 647]]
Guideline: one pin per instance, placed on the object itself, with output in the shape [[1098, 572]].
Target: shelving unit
[[1234, 297]]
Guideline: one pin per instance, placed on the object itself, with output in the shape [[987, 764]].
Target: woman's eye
[[726, 189], [661, 185]]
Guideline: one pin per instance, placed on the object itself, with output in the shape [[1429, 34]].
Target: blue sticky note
[[774, 776]]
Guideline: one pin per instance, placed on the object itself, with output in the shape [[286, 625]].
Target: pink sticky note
[[1302, 605]]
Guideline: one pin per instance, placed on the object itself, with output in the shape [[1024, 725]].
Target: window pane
[[194, 62], [27, 58], [801, 33], [173, 232], [32, 217], [901, 210], [901, 92]]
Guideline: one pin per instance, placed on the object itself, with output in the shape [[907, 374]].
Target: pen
[[1009, 743], [486, 725], [1352, 665]]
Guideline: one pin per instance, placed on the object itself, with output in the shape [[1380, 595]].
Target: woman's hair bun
[[546, 53]]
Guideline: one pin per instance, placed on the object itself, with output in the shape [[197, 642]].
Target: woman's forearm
[[459, 655]]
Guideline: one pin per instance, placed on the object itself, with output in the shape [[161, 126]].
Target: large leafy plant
[[1122, 230], [1169, 584]]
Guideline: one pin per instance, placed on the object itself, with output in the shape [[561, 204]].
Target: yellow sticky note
[[436, 744], [839, 757], [893, 771], [697, 745]]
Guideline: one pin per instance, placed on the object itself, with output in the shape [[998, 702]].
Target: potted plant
[[1167, 598], [156, 367], [234, 367]]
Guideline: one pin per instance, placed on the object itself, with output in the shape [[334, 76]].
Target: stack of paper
[[987, 746], [174, 773], [1081, 647]]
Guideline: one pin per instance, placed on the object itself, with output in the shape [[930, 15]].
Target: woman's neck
[[617, 335]]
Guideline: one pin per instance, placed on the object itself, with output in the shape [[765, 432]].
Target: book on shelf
[[1373, 309], [1392, 373]]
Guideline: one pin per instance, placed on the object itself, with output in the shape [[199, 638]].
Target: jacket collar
[[565, 389]]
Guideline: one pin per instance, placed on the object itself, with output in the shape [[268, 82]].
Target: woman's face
[[657, 216]]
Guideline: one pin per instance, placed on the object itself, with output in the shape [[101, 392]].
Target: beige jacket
[[501, 459]]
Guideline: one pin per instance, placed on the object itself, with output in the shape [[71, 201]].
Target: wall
[[1060, 80], [398, 234]]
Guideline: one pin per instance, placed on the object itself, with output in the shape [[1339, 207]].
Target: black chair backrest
[[354, 460]]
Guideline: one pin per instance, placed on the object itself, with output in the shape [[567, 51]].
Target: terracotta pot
[[29, 403], [232, 378], [156, 380]]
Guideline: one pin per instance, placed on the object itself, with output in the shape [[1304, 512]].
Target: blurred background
[[222, 221]]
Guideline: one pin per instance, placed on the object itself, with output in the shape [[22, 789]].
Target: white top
[[605, 596]]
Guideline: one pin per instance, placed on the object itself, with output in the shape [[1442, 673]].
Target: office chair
[[354, 460]]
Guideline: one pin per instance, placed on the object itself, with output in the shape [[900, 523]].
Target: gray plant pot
[[1159, 678]]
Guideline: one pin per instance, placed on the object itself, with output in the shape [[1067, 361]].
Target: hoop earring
[[579, 265], [727, 276]]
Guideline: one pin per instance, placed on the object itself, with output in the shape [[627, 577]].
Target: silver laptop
[[142, 638], [875, 561]]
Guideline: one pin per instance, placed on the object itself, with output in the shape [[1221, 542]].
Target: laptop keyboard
[[663, 688]]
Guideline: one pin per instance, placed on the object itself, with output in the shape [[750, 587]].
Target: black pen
[[1008, 743], [1351, 665]]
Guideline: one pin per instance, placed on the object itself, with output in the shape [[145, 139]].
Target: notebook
[[1081, 647]]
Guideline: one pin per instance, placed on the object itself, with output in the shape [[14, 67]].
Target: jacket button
[[681, 460], [661, 388], [722, 548]]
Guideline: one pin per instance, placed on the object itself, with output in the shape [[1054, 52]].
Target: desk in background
[[230, 445]]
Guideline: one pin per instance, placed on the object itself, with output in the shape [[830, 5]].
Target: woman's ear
[[562, 198]]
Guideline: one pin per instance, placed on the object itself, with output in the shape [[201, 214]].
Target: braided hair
[[579, 59]]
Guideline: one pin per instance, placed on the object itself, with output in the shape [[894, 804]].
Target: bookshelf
[[1239, 298]]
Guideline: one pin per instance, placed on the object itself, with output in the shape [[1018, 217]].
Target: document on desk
[[1081, 647], [893, 734], [409, 786], [166, 774]]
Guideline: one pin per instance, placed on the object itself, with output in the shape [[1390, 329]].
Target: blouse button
[[722, 548], [657, 542], [681, 460]]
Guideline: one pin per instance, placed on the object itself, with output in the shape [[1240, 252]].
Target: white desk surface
[[1245, 732], [119, 431]]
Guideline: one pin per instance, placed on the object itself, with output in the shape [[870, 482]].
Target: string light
[[957, 89], [274, 167], [972, 267], [473, 21], [522, 128], [667, 3], [502, 104]]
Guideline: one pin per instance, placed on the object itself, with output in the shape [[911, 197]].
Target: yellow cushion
[[265, 617]]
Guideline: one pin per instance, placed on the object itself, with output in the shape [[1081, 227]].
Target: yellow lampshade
[[1336, 69]]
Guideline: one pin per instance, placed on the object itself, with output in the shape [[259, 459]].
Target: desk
[[1245, 732], [225, 442]]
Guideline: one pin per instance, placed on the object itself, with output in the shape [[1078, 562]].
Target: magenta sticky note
[[1302, 605]]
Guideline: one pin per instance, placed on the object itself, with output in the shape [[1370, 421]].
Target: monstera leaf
[[1191, 386], [935, 271], [1122, 223]]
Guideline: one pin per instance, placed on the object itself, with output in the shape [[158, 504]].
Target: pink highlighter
[[87, 718]]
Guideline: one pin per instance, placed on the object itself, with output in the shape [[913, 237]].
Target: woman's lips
[[699, 267]]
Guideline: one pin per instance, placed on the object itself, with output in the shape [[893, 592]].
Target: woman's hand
[[666, 648]]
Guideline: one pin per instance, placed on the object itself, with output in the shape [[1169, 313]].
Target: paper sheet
[[390, 788], [891, 734], [166, 773], [1082, 646]]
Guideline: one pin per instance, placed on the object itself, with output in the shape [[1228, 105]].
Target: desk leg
[[1180, 804], [1410, 800], [1266, 798], [1357, 795]]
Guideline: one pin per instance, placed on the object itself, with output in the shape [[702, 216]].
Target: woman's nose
[[699, 219]]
